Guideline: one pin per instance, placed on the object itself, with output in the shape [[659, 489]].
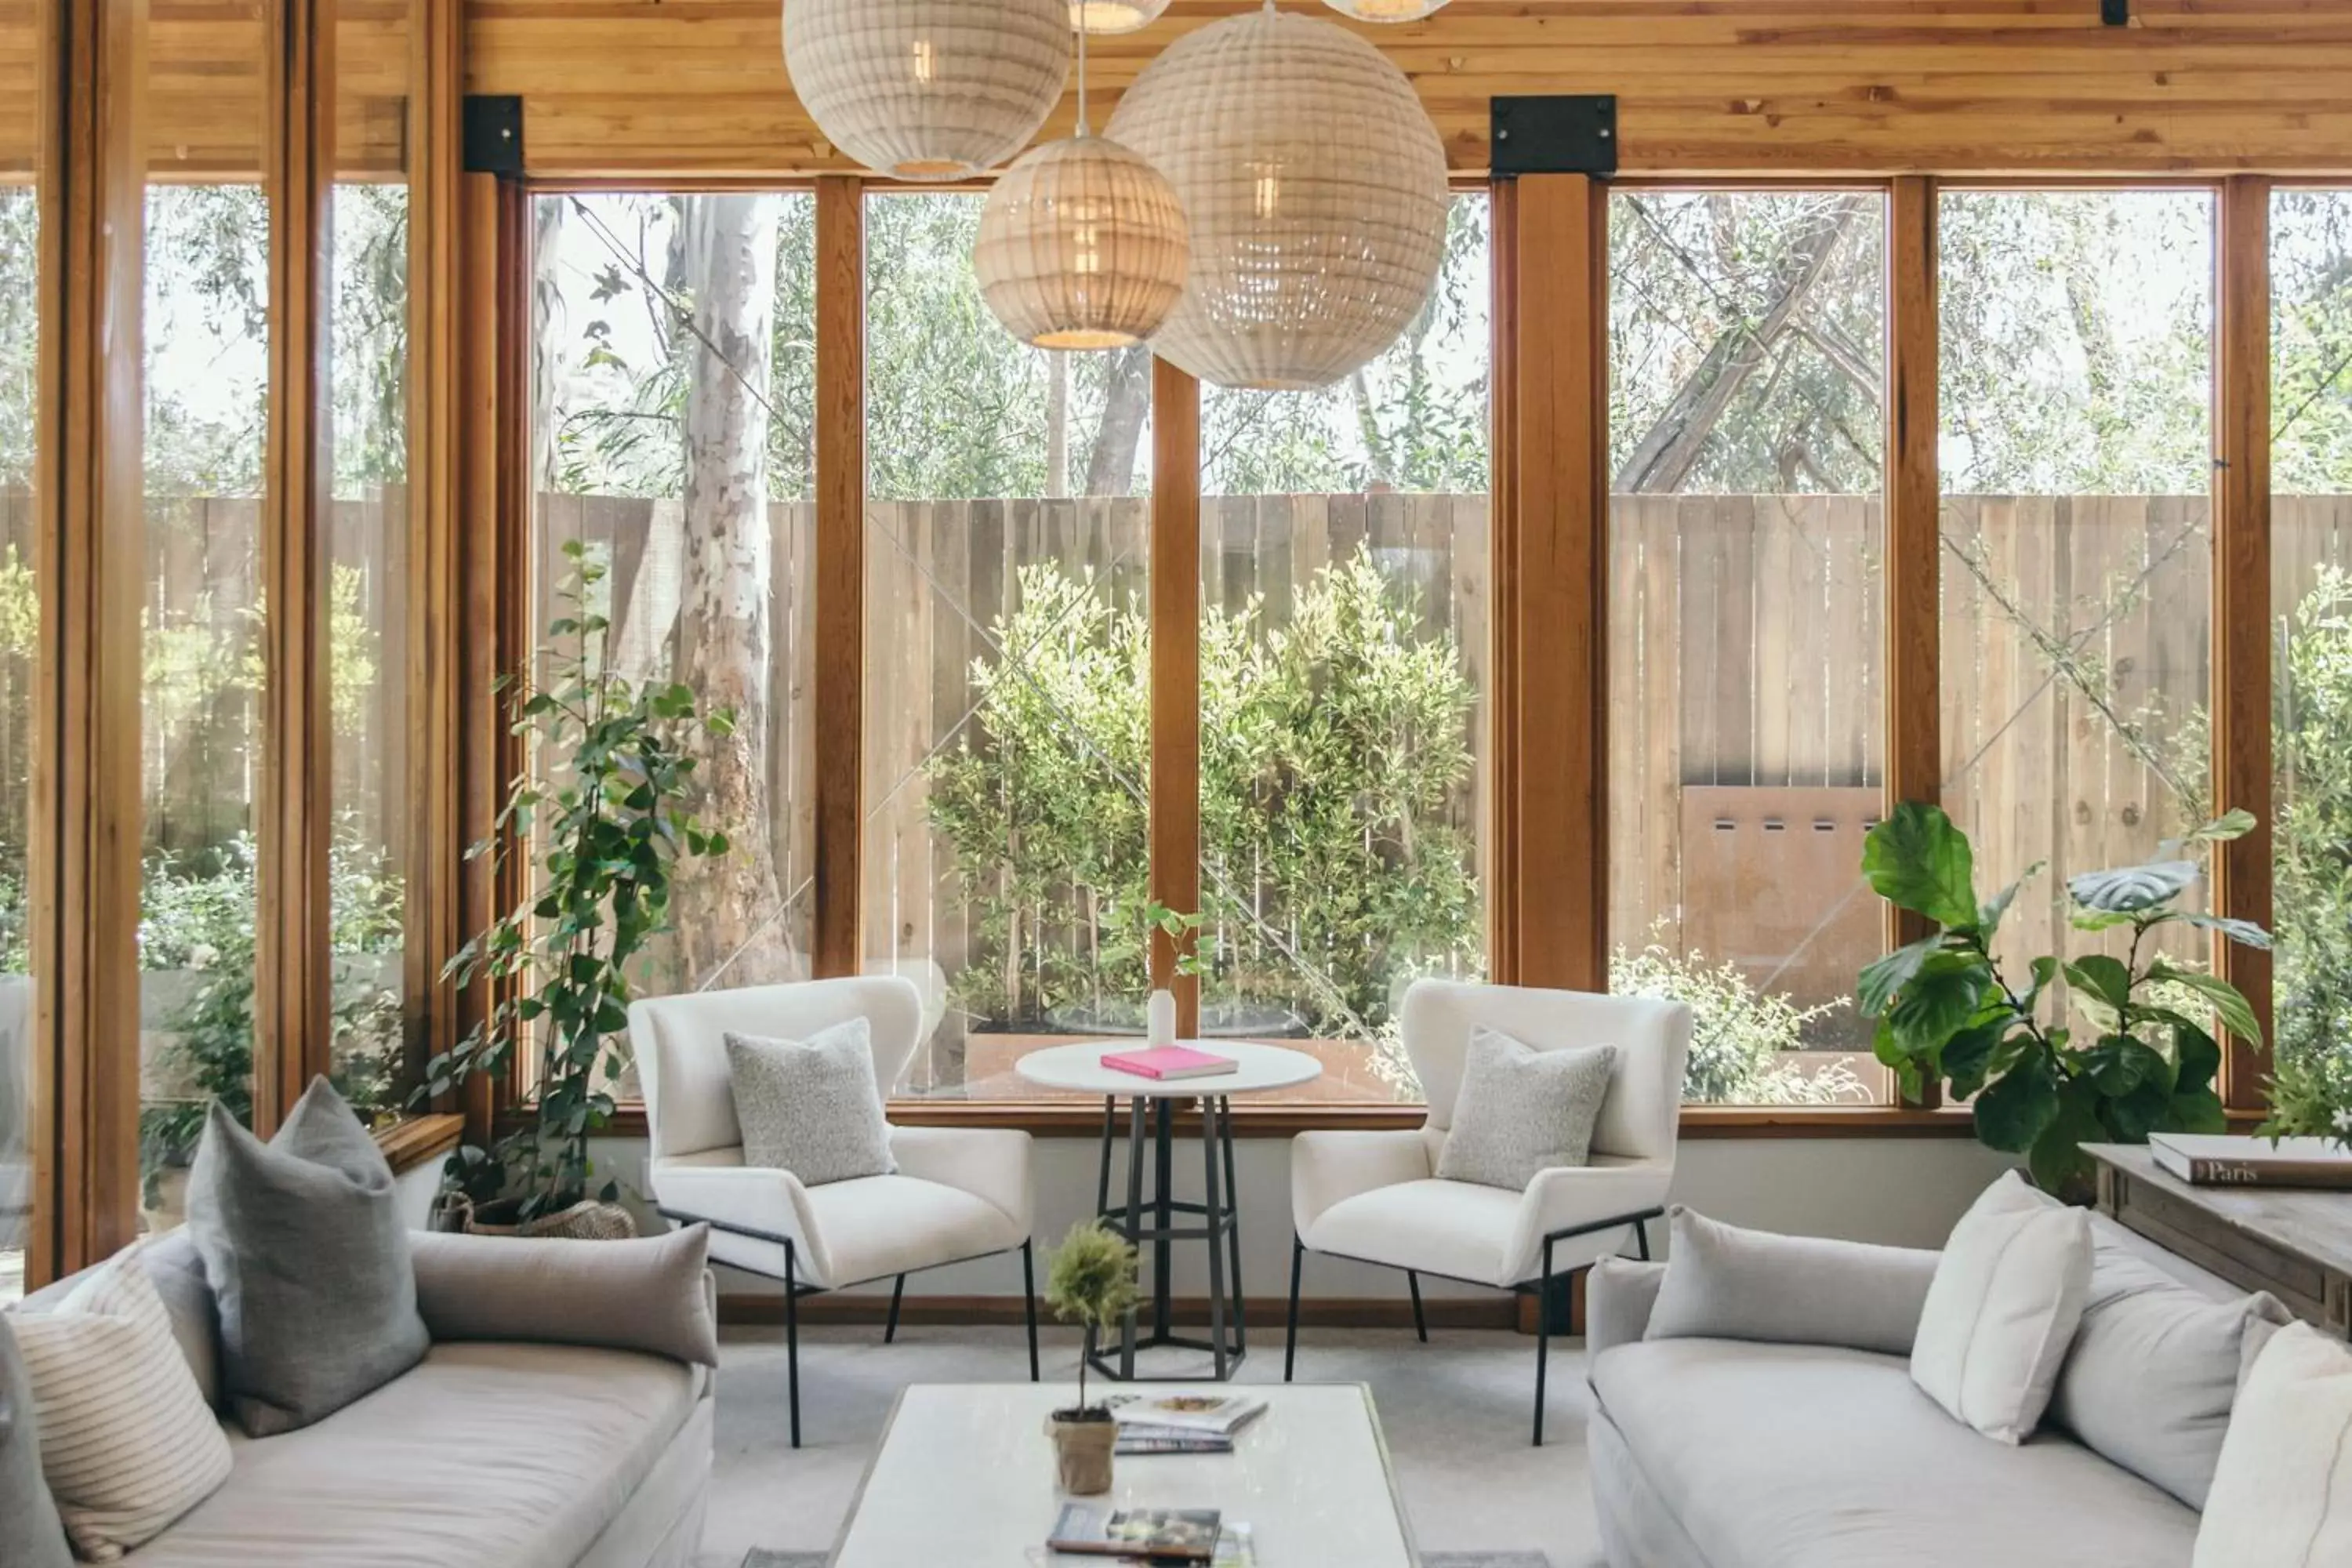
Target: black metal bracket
[[492, 140], [2115, 13], [1561, 134]]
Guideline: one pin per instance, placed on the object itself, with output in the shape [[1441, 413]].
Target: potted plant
[[601, 815], [1948, 1012], [1090, 1281]]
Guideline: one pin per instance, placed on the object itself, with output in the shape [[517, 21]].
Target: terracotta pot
[[1082, 1452]]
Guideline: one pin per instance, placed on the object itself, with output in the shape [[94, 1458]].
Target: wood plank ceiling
[[645, 88]]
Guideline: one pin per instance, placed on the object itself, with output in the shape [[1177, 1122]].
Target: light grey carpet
[[759, 1559], [1454, 1412]]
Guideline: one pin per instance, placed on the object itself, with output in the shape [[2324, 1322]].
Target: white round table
[[1151, 1117]]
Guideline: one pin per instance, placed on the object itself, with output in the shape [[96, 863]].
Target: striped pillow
[[127, 1441]]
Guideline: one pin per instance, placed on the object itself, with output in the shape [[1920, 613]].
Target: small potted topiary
[[1090, 1282]]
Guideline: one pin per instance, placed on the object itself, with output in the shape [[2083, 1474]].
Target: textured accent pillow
[[127, 1441], [1726, 1283], [33, 1537], [811, 1107], [2282, 1495], [1521, 1111], [2154, 1369], [646, 1294], [303, 1242], [2007, 1296]]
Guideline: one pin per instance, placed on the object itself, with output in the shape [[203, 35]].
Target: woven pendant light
[[1081, 244], [1101, 16], [1315, 187], [1385, 10], [928, 89]]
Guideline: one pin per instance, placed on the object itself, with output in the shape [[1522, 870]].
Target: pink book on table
[[1170, 1062]]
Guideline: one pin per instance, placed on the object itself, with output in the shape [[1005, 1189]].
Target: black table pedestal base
[[1152, 1220]]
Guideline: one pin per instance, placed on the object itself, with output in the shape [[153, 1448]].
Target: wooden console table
[[2294, 1243]]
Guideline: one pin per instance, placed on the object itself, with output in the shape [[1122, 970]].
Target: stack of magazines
[[1182, 1423]]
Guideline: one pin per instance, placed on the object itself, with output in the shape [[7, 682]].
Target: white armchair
[[1375, 1196], [958, 1193]]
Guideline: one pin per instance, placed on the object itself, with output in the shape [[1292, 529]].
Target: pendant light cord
[[1082, 84]]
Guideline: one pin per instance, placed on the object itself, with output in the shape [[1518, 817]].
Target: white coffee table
[[965, 1475], [1258, 1069]]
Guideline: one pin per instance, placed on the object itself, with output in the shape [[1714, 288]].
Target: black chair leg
[[792, 1340], [1420, 1322], [1029, 1302], [1290, 1337], [1543, 1340], [898, 1294], [1642, 1237]]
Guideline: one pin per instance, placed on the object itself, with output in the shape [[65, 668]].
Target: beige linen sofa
[[500, 1449]]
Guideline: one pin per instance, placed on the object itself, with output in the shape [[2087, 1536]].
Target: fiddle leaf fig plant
[[2124, 1048]]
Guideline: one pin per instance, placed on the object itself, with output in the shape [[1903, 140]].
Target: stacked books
[[1182, 1423], [1148, 1535], [1170, 1062], [2211, 1160]]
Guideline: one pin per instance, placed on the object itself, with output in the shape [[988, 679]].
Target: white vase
[[1160, 1020]]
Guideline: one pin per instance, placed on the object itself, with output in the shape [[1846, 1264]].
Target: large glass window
[[20, 611], [1747, 620], [368, 581], [2076, 457], [207, 350], [672, 376], [2311, 618], [1344, 637], [1007, 703]]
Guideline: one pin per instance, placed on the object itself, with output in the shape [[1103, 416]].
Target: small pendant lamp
[[1385, 10], [1102, 17], [1082, 243]]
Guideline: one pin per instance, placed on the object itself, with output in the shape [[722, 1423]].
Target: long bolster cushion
[[651, 1294], [1726, 1283]]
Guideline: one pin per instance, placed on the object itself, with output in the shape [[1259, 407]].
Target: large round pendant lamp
[[928, 89], [1315, 188], [1101, 16], [1385, 10]]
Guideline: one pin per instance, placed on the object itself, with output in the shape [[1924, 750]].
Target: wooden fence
[[1746, 695], [201, 609]]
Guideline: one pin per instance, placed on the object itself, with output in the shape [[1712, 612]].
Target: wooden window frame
[[470, 328]]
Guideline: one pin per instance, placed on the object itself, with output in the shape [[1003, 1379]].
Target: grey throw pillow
[[303, 1239], [2153, 1373], [812, 1106], [33, 1535], [648, 1293], [1521, 1111], [1726, 1283]]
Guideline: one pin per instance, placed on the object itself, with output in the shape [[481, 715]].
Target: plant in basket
[[602, 817], [1090, 1281]]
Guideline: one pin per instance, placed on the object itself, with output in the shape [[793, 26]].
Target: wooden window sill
[[1083, 1120], [413, 1139]]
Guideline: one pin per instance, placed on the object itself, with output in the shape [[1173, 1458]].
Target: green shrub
[[1335, 766], [2312, 845], [1740, 1034]]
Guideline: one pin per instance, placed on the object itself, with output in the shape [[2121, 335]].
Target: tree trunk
[[1670, 449], [727, 913], [1127, 398], [548, 363], [1057, 426]]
